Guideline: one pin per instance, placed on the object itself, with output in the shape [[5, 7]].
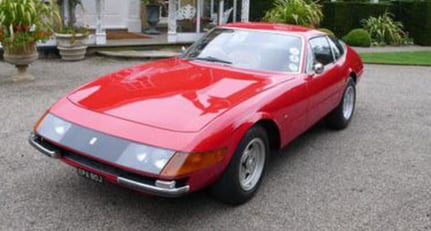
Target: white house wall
[[116, 13]]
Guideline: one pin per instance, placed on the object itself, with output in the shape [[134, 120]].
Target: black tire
[[229, 188], [337, 119]]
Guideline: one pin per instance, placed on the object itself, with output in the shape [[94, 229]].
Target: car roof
[[304, 31]]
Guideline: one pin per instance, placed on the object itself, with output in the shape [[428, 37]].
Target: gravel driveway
[[376, 175]]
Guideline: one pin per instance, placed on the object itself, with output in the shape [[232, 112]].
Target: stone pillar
[[212, 9], [220, 12], [100, 31], [235, 10], [66, 12], [134, 23], [245, 11], [198, 16], [172, 21]]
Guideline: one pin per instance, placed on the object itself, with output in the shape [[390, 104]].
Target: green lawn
[[398, 58]]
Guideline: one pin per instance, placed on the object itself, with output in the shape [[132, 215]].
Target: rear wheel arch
[[354, 76], [340, 117]]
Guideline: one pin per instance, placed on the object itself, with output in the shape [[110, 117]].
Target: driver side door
[[322, 84]]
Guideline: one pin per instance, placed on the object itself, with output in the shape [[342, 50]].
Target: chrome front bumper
[[161, 188], [34, 141], [154, 190]]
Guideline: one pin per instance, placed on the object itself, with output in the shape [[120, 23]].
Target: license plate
[[89, 175]]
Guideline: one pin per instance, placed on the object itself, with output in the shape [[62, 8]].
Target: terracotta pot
[[72, 47], [21, 57]]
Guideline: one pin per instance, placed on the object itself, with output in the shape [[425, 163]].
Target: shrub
[[358, 37], [384, 30], [298, 12], [328, 32]]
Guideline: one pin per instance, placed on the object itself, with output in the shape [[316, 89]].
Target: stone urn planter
[[21, 57], [72, 47], [153, 18]]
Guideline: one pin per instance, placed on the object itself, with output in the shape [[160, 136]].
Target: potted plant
[[153, 14], [23, 23], [71, 38]]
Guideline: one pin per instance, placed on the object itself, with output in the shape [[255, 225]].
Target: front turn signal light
[[39, 122], [185, 163]]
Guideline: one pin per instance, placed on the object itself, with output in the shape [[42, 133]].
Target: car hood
[[173, 94]]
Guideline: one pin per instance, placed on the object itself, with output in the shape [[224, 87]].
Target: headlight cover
[[104, 147]]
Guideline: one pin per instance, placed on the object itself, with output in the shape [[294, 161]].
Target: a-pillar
[[134, 23]]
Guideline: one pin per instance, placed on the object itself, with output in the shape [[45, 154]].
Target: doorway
[[193, 18]]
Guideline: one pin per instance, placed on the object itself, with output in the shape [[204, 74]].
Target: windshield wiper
[[212, 59]]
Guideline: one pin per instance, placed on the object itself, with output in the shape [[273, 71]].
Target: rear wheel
[[341, 116], [244, 173]]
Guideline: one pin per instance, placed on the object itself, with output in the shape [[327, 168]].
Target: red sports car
[[209, 118]]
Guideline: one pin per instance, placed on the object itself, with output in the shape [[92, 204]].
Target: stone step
[[136, 54]]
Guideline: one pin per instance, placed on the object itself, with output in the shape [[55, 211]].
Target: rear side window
[[337, 47], [322, 50]]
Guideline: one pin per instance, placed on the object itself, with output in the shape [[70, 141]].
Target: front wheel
[[341, 116], [244, 173]]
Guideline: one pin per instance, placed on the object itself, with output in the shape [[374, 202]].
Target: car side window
[[322, 50], [338, 44], [310, 60], [336, 47]]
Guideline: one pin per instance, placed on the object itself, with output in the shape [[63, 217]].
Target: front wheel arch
[[229, 188], [273, 132]]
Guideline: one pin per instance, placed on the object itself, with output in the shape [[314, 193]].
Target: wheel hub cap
[[348, 102], [252, 163]]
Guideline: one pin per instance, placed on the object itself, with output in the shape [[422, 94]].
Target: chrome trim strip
[[51, 153], [154, 190]]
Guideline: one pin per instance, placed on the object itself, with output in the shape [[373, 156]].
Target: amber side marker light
[[39, 122], [184, 163]]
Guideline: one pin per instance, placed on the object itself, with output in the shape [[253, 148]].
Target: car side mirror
[[318, 68]]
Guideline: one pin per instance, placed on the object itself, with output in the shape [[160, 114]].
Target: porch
[[184, 20]]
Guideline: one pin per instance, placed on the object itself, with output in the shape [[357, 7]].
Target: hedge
[[416, 17], [258, 8], [341, 17]]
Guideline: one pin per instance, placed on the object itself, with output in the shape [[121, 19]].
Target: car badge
[[93, 141]]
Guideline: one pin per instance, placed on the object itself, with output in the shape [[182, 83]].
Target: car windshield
[[256, 50]]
